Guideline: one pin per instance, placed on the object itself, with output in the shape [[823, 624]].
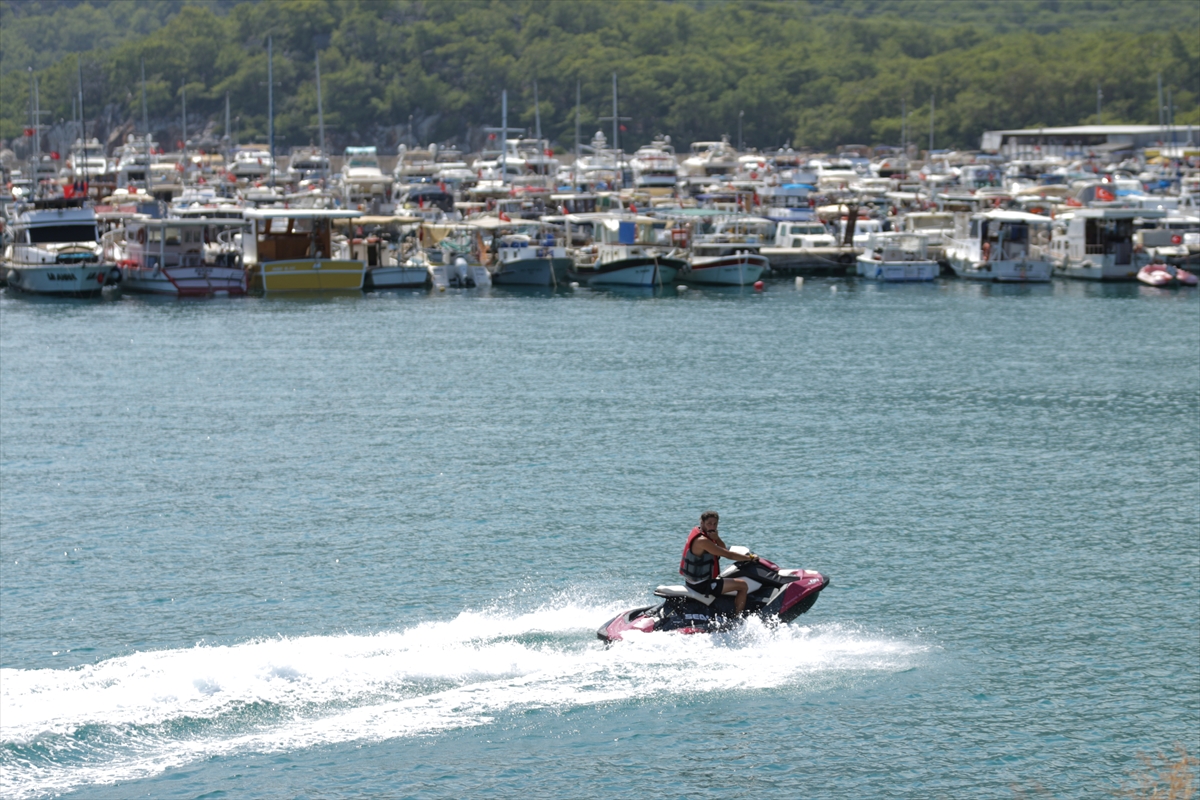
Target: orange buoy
[[758, 286]]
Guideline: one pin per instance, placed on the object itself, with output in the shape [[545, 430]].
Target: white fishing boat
[[738, 269], [180, 257], [1003, 246], [897, 258], [54, 249], [624, 252], [1097, 243]]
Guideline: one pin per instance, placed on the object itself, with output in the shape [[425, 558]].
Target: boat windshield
[[363, 161], [62, 234]]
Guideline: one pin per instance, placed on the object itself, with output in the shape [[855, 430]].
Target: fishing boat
[[387, 266], [54, 249], [1003, 246], [294, 250], [739, 269], [522, 259], [897, 258], [624, 252], [180, 257]]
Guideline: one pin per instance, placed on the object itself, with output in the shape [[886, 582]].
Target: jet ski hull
[[780, 595]]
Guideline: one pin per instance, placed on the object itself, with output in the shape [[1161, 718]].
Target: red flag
[[504, 217], [68, 191], [1104, 195], [622, 129], [549, 152], [54, 156], [29, 131], [633, 208]]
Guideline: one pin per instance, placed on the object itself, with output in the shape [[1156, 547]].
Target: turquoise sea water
[[359, 546]]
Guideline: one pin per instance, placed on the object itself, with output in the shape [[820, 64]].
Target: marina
[[365, 366]]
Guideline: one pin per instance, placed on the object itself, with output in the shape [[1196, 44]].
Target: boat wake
[[136, 716]]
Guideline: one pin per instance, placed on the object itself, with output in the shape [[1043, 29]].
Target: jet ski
[[774, 594]]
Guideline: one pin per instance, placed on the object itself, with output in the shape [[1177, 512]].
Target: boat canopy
[[301, 213]]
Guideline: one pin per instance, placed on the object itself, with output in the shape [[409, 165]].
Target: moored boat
[[523, 260], [1003, 246], [1159, 275], [54, 249], [739, 269], [624, 253], [193, 257], [293, 250], [897, 258]]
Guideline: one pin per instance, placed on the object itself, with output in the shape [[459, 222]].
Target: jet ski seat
[[683, 591]]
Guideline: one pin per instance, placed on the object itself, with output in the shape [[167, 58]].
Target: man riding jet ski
[[713, 599]]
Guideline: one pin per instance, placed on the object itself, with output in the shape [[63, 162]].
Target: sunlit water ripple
[[360, 546]]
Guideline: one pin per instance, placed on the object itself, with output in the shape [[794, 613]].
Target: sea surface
[[359, 546]]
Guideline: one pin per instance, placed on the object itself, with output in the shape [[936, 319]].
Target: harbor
[[526, 399]]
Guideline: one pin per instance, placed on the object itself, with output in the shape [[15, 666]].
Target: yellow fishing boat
[[294, 250]]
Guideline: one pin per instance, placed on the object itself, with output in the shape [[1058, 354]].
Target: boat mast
[[82, 124], [321, 119], [145, 127], [183, 89], [504, 137], [616, 143], [35, 111], [575, 168], [271, 108], [931, 123]]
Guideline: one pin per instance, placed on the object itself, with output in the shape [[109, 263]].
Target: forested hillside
[[813, 73]]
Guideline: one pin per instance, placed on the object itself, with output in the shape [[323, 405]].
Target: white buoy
[[833, 288], [574, 284], [681, 288], [799, 282]]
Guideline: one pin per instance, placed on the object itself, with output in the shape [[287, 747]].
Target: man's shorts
[[714, 587]]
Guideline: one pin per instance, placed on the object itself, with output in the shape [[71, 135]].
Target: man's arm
[[703, 544]]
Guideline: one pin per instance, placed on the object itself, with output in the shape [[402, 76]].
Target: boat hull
[[61, 280], [897, 271], [1002, 271], [307, 275], [737, 270], [201, 281], [530, 272], [1098, 268], [396, 278], [642, 271]]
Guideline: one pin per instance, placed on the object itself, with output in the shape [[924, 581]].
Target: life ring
[[1177, 239], [987, 250], [141, 235]]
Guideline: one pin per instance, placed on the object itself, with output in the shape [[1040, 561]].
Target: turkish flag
[[504, 217], [1104, 195], [54, 156]]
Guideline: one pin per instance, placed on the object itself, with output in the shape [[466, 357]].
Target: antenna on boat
[[271, 108], [146, 126], [227, 139], [321, 121]]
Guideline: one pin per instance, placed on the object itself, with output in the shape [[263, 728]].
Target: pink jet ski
[[775, 594]]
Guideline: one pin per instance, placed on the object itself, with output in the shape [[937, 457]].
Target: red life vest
[[691, 566]]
